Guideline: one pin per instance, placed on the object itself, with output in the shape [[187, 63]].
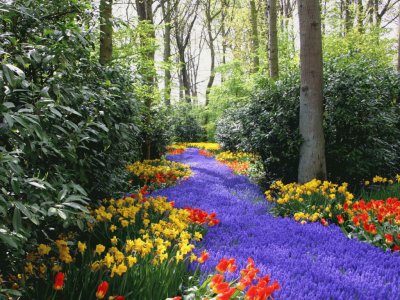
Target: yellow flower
[[100, 249], [113, 228], [119, 270], [95, 266], [178, 256], [56, 268], [42, 269], [43, 249], [29, 268], [193, 257], [124, 223], [367, 182], [131, 260], [114, 240], [198, 236], [81, 247], [108, 260]]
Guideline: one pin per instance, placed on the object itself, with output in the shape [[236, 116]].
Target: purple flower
[[309, 261]]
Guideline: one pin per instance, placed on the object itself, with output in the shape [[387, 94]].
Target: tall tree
[[273, 40], [360, 16], [254, 37], [184, 18], [211, 12], [398, 48], [312, 162], [166, 11], [348, 15], [106, 31], [146, 66]]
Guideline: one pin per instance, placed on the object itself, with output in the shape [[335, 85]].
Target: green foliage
[[267, 126], [361, 116], [235, 88], [361, 122], [64, 120], [185, 126]]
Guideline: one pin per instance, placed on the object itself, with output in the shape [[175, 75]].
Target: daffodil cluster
[[131, 237], [313, 201], [213, 147], [158, 172]]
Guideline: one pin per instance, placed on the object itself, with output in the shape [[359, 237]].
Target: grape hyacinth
[[309, 261]]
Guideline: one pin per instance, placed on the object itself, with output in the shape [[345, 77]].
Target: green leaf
[[17, 220]]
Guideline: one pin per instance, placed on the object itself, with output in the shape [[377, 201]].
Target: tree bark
[[147, 70], [166, 11], [360, 16], [273, 40], [348, 16], [254, 37], [106, 31], [211, 38], [312, 162], [398, 49]]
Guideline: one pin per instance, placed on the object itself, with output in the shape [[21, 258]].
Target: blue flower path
[[309, 261]]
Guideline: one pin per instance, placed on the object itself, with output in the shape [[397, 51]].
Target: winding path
[[309, 261]]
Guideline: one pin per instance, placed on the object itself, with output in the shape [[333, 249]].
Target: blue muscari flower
[[309, 261]]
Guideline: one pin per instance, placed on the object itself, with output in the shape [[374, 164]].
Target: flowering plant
[[249, 286]]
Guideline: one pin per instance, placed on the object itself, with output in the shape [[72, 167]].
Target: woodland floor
[[309, 261]]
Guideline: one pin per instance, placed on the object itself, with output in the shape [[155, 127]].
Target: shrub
[[63, 121], [361, 124], [185, 125]]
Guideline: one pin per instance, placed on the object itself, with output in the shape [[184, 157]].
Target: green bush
[[361, 122], [67, 124], [185, 125]]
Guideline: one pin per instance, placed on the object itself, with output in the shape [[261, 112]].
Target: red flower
[[102, 290], [340, 219], [117, 298], [203, 257], [226, 264], [216, 279], [389, 238], [356, 221], [324, 222], [59, 281], [396, 248], [177, 298], [227, 294]]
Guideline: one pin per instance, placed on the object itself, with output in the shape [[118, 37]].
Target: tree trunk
[[185, 75], [212, 54], [370, 12], [224, 35], [312, 162], [106, 31], [273, 40], [398, 49], [348, 16], [147, 70], [360, 16], [378, 17], [254, 37], [166, 11]]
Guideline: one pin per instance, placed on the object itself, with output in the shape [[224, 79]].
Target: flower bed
[[176, 149], [374, 221], [129, 240], [157, 173]]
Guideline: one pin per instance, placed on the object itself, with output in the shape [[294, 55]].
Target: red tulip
[[59, 281], [102, 290]]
